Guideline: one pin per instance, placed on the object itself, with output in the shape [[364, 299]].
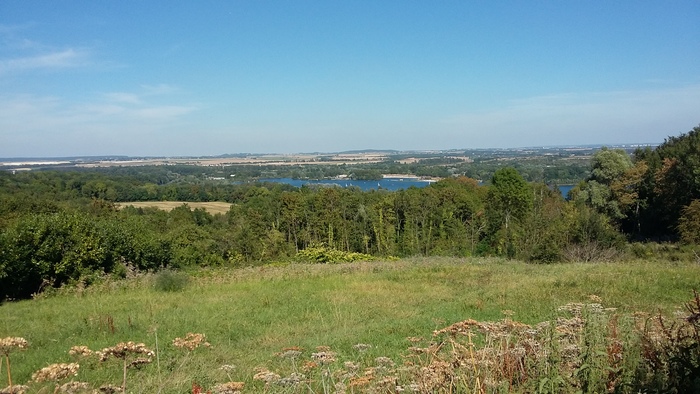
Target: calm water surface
[[387, 183]]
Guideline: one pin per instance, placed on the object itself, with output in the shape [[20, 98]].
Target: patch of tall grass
[[250, 315]]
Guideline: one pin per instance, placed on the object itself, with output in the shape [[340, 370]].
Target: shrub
[[324, 254], [171, 281]]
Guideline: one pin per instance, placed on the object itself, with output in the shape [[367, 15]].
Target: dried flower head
[[292, 380], [80, 351], [15, 389], [110, 389], [9, 344], [74, 388], [360, 381], [228, 388], [139, 362], [323, 357], [595, 298], [351, 366], [384, 361], [191, 341], [121, 350], [290, 354], [340, 388], [266, 376], [361, 347], [55, 372]]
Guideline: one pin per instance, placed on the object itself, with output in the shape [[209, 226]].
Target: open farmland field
[[213, 207], [268, 322]]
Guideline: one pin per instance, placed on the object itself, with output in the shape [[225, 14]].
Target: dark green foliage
[[508, 202], [671, 183], [170, 281]]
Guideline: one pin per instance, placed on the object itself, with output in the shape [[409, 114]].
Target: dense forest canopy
[[59, 227]]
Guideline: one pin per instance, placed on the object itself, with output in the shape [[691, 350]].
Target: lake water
[[564, 189], [386, 183]]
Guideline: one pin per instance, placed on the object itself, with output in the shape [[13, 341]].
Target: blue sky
[[173, 78]]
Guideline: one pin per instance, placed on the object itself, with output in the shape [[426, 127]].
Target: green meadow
[[251, 315]]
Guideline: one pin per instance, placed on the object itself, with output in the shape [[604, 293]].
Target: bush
[[324, 254], [171, 281]]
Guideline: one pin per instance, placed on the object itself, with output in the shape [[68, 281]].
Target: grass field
[[250, 315], [211, 207]]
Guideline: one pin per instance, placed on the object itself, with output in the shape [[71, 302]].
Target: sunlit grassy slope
[[248, 315]]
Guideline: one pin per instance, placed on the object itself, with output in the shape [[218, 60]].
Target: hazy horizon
[[358, 151], [212, 78]]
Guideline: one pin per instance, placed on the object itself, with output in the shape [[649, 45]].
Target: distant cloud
[[33, 125], [60, 59]]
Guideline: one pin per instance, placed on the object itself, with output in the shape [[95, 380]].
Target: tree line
[[64, 227]]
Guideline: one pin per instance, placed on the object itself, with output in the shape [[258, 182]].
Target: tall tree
[[607, 167], [508, 201]]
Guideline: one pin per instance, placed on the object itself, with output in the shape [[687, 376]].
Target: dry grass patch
[[213, 207]]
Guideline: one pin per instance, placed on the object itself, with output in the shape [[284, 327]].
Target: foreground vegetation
[[183, 294], [259, 318]]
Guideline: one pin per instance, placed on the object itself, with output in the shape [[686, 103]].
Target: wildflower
[[191, 341], [227, 367], [55, 372]]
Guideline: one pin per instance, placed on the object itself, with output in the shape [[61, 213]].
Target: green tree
[[508, 202], [607, 167]]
